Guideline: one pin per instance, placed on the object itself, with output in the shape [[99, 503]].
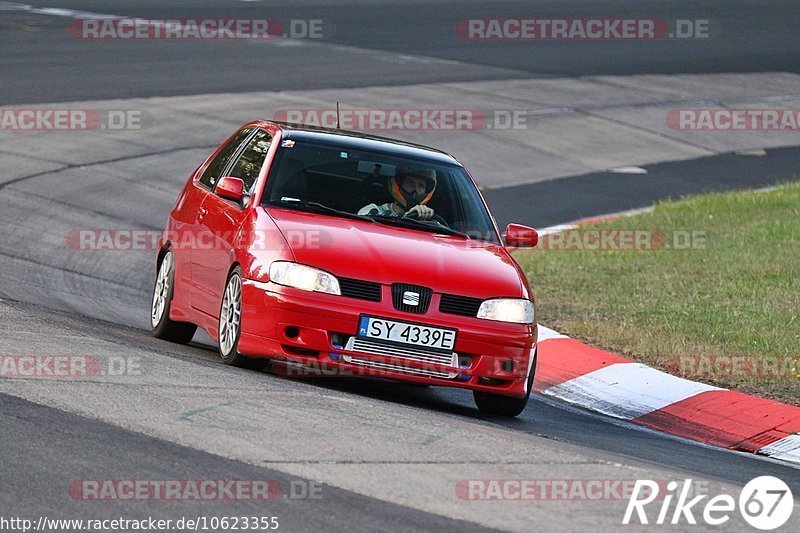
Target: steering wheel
[[435, 218]]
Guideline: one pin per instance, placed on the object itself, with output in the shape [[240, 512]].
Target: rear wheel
[[163, 326], [497, 404], [230, 325]]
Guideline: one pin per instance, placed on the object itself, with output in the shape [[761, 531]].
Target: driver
[[411, 190]]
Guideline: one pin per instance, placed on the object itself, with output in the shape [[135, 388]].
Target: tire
[[497, 404], [163, 290], [229, 329]]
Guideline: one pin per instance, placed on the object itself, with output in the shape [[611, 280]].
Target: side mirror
[[230, 188], [519, 236]]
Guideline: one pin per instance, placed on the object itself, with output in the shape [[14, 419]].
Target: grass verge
[[707, 287]]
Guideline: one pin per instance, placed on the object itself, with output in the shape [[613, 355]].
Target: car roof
[[362, 141]]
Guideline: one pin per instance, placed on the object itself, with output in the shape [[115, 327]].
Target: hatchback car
[[348, 254]]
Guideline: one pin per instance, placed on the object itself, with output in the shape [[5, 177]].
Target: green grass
[[735, 293]]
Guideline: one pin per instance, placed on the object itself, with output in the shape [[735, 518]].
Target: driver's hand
[[423, 212]]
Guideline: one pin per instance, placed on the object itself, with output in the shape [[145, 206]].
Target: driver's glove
[[423, 212]]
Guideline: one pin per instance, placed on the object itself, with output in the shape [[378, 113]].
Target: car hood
[[386, 254]]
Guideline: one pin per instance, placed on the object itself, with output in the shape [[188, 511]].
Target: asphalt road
[[600, 193], [377, 43], [385, 456], [389, 456], [89, 449]]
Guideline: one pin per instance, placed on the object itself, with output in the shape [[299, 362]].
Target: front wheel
[[163, 326], [230, 325], [497, 404]]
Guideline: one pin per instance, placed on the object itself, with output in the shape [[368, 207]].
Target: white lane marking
[[547, 334], [55, 11], [609, 216], [70, 13], [389, 57], [281, 42], [13, 6], [175, 25], [621, 214], [786, 449], [758, 152], [627, 390], [628, 170], [556, 229]]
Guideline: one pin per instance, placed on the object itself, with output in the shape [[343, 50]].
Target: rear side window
[[249, 164], [217, 166]]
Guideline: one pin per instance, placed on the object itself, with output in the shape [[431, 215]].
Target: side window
[[250, 162], [217, 166]]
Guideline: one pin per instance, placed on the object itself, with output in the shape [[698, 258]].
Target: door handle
[[203, 212]]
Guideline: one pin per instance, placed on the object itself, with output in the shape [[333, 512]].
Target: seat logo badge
[[410, 298]]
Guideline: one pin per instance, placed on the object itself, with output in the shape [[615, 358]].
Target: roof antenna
[[337, 115]]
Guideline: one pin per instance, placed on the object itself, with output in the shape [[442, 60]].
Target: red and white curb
[[612, 385], [603, 218]]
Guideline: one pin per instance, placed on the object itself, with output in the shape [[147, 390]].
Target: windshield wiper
[[320, 208], [417, 224]]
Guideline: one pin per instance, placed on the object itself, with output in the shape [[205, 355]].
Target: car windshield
[[342, 181]]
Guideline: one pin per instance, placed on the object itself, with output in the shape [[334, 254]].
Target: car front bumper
[[308, 334]]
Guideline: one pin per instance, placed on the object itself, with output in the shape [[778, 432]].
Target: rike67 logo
[[765, 503]]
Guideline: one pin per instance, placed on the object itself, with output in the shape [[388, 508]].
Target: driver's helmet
[[409, 200]]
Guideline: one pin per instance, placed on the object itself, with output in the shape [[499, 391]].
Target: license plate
[[439, 339]]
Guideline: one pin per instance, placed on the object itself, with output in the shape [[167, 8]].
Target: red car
[[340, 253]]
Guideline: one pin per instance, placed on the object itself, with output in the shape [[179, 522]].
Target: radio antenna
[[337, 115]]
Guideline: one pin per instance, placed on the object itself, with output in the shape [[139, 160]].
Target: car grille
[[371, 291], [363, 290], [459, 305], [401, 354], [423, 298]]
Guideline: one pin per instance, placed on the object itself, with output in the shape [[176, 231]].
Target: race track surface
[[375, 43], [388, 457]]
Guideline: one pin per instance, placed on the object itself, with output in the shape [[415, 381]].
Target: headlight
[[303, 277], [507, 310]]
